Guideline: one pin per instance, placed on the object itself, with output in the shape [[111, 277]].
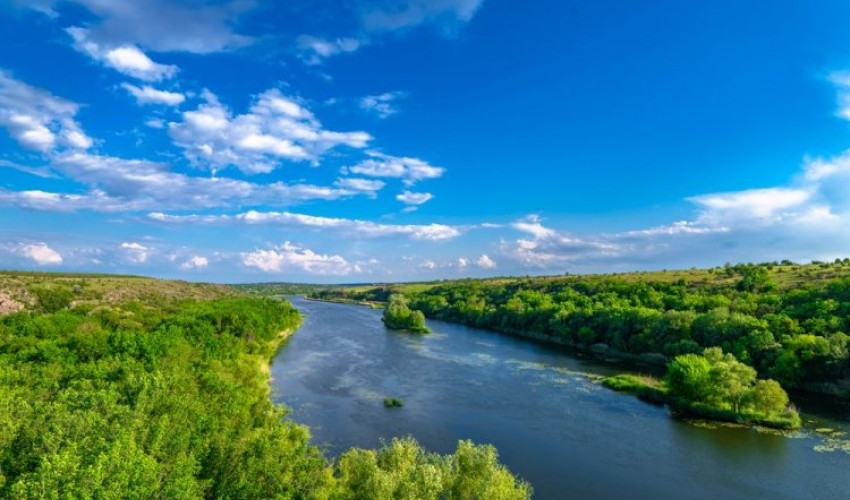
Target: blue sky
[[252, 140]]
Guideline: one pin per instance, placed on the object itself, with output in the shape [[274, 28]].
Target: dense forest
[[786, 321], [167, 398]]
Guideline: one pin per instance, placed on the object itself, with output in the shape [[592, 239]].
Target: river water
[[564, 433]]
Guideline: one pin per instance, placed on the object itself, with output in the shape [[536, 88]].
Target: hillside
[[785, 274], [36, 291]]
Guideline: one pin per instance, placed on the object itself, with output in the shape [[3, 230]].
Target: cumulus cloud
[[485, 262], [41, 254], [38, 120], [359, 228], [199, 26], [382, 105], [410, 170], [195, 262], [135, 253], [275, 128], [126, 59], [289, 257], [149, 95]]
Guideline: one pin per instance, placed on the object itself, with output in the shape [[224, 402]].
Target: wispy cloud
[[314, 50], [200, 26], [383, 105], [149, 95], [409, 170], [118, 184], [354, 227], [126, 59], [395, 15]]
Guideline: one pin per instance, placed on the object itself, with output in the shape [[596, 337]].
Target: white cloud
[[359, 228], [462, 262], [485, 262], [314, 50], [428, 264], [41, 254], [149, 95], [532, 225], [753, 203], [289, 257], [199, 26], [411, 198], [195, 262], [276, 128], [126, 59], [135, 252], [118, 184], [37, 119], [841, 80], [394, 15], [382, 105], [410, 170], [370, 186]]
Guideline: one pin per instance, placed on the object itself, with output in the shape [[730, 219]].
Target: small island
[[399, 316], [392, 403], [714, 386]]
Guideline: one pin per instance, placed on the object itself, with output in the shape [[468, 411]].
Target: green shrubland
[[164, 398]]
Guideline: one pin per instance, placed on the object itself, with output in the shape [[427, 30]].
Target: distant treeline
[[273, 289], [788, 330]]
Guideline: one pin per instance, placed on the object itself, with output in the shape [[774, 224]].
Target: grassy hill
[[786, 275], [21, 290]]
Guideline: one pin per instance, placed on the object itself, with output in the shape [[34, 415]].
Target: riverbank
[[653, 390], [274, 346], [372, 305]]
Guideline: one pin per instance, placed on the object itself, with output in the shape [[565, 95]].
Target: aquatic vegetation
[[392, 403]]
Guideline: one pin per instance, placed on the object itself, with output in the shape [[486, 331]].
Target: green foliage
[[646, 388], [717, 383], [398, 316], [171, 402], [141, 403], [403, 470], [53, 299], [392, 403]]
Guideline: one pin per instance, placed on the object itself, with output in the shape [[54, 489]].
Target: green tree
[[399, 316]]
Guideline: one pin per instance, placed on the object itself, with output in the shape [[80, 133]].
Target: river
[[568, 436]]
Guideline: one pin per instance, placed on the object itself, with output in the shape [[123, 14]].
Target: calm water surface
[[568, 436]]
